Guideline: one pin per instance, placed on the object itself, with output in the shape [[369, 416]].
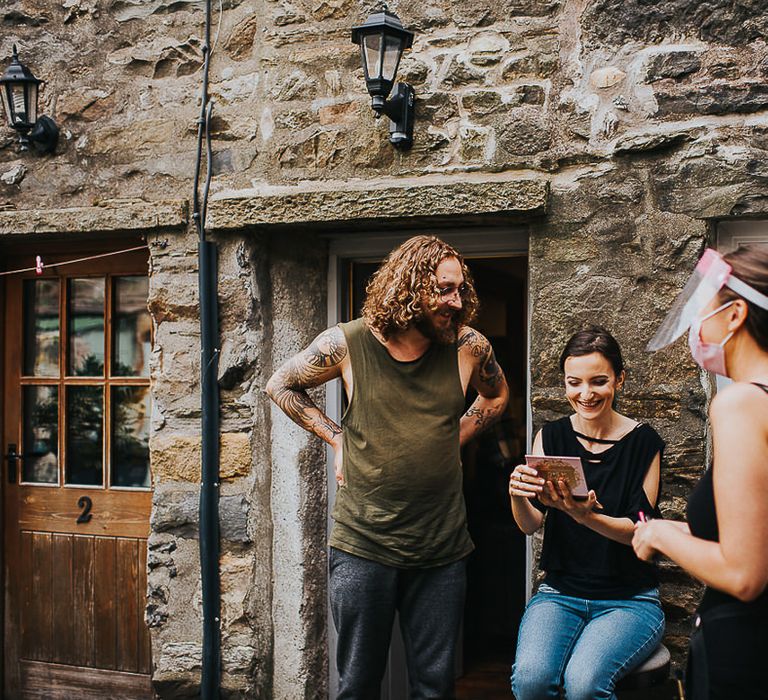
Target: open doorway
[[497, 569]]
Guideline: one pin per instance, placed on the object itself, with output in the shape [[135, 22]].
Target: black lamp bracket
[[400, 109], [43, 136]]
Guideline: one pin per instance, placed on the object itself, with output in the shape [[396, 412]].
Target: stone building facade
[[620, 136]]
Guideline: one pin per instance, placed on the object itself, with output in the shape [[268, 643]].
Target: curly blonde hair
[[405, 286]]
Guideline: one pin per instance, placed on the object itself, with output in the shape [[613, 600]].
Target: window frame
[[106, 381]]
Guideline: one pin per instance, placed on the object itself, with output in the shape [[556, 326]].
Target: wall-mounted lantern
[[19, 88], [382, 40]]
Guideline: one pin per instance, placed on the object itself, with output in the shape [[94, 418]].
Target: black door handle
[[13, 457]]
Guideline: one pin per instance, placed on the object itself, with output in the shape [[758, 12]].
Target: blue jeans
[[364, 597], [583, 646]]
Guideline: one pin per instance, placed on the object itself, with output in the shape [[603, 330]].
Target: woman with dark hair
[[597, 615], [724, 541]]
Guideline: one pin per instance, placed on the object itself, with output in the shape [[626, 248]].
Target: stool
[[654, 671]]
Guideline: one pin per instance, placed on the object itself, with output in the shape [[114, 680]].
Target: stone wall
[[502, 85], [646, 122], [272, 475]]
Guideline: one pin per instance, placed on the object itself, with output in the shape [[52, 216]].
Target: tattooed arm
[[319, 363], [487, 378]]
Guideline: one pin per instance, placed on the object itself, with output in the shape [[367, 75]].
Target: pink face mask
[[708, 356]]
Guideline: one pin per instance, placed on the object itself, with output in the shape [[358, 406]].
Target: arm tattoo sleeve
[[483, 417], [489, 372], [310, 368], [488, 379], [328, 349]]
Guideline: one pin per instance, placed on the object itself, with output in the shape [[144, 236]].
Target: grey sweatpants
[[364, 597]]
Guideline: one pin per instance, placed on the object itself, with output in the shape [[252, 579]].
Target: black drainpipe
[[209, 397]]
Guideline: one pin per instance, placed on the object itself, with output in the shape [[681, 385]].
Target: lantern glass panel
[[31, 103], [392, 52], [372, 54], [19, 95], [6, 91], [20, 103]]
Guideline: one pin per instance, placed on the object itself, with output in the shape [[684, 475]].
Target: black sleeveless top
[[578, 561], [702, 519]]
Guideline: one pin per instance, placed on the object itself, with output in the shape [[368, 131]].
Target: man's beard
[[442, 335]]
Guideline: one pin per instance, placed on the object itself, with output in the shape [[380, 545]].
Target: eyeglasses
[[450, 292]]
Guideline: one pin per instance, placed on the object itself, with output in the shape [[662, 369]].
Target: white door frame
[[471, 242]]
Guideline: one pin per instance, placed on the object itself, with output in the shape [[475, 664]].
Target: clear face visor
[[712, 273]]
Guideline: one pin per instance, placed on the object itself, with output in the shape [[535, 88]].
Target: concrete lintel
[[527, 197], [111, 216]]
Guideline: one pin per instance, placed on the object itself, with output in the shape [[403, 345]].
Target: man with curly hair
[[399, 541]]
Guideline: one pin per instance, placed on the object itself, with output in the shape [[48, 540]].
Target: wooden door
[[76, 500]]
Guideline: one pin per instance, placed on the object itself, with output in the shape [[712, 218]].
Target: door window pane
[[131, 323], [84, 434], [130, 436], [40, 409], [86, 327], [41, 328]]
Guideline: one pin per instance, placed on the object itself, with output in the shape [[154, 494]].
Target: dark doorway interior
[[496, 573]]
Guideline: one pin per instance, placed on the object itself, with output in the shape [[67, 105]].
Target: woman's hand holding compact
[[558, 495], [524, 481]]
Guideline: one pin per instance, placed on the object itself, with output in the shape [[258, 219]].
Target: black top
[[578, 561], [702, 519]]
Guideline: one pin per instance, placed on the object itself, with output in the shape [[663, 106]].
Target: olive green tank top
[[402, 502]]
